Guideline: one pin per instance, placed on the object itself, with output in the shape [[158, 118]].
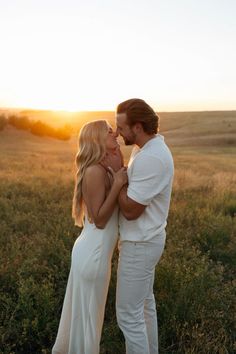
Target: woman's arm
[[99, 206]]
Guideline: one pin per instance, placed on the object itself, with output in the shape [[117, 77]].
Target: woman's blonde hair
[[91, 150]]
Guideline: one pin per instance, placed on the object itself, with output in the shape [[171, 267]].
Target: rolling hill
[[213, 128]]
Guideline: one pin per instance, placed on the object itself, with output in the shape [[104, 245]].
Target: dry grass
[[25, 156], [194, 284]]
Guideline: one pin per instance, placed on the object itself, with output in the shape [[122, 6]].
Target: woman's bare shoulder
[[94, 180], [94, 171]]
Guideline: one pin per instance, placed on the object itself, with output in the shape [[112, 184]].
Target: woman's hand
[[114, 159]]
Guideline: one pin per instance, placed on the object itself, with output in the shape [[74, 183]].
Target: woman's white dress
[[84, 304]]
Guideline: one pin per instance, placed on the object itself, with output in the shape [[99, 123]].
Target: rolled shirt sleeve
[[147, 178]]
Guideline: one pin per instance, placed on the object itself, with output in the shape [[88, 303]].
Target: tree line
[[35, 127]]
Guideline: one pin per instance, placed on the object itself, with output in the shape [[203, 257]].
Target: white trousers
[[135, 302]]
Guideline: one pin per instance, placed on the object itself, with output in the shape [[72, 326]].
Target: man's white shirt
[[150, 174]]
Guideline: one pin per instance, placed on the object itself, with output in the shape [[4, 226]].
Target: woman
[[95, 200]]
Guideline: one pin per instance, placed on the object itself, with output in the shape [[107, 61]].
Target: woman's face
[[111, 142]]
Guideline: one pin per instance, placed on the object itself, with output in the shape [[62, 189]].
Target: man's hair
[[138, 111]]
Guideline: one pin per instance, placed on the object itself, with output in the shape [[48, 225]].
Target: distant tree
[[12, 120], [24, 123], [39, 128], [20, 122], [64, 133], [3, 121], [42, 129]]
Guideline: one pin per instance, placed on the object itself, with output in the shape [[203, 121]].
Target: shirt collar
[[151, 141]]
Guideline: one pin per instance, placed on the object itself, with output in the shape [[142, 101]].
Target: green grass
[[195, 280]]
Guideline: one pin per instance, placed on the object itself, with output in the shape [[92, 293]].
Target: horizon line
[[108, 110]]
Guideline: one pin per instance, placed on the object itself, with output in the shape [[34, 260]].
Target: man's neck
[[144, 139]]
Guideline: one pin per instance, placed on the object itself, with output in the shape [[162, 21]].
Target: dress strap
[[105, 168]]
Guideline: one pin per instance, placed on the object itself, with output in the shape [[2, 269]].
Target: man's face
[[123, 129]]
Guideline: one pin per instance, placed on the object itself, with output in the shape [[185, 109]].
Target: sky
[[178, 55]]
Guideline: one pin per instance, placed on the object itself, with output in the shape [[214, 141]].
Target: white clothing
[[135, 302], [84, 304], [150, 174], [142, 241]]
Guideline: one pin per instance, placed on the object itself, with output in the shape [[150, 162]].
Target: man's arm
[[146, 181], [129, 208]]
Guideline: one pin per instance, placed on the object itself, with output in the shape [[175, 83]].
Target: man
[[144, 206]]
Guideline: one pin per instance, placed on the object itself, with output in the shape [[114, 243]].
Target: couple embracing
[[107, 196]]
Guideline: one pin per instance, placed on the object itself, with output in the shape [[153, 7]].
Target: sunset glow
[[76, 55]]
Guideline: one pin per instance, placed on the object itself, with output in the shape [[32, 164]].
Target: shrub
[[3, 122], [39, 128]]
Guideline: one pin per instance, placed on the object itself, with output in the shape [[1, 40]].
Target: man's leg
[[150, 316], [132, 285], [134, 281], [136, 309], [154, 252]]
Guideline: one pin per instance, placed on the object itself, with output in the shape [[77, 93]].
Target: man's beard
[[131, 140]]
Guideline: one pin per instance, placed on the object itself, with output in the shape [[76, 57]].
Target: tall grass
[[195, 280]]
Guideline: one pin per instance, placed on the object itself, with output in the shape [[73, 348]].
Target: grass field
[[195, 280]]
